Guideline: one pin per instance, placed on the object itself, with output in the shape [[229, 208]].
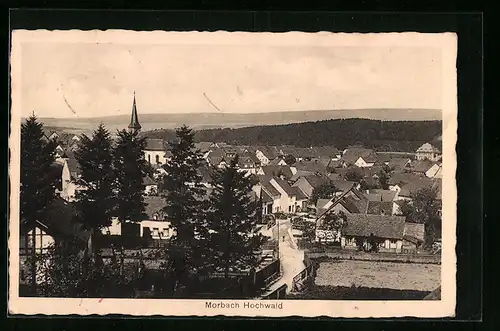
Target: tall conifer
[[37, 184], [232, 221], [130, 169], [95, 157], [182, 190]]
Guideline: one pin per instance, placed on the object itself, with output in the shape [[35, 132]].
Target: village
[[316, 205]]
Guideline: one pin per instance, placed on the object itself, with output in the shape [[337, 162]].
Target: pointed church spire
[[134, 120]]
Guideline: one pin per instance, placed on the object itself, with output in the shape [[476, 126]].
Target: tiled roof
[[317, 180], [399, 163], [351, 155], [379, 208], [415, 230], [400, 178], [155, 145], [313, 166], [300, 173], [321, 203], [285, 186], [299, 195], [203, 146], [266, 198], [420, 166], [343, 185], [61, 221], [381, 226], [275, 170], [264, 181], [385, 195], [270, 152]]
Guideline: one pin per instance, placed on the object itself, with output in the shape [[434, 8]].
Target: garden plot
[[399, 276]]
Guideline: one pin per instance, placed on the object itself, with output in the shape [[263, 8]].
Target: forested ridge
[[382, 135]]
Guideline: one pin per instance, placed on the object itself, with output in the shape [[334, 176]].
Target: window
[[157, 158], [149, 159]]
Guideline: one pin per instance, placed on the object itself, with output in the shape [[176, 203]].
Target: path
[[292, 259]]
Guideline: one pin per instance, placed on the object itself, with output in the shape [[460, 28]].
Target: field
[[388, 275]]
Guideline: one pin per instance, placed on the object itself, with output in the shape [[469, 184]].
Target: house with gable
[[308, 183], [435, 171], [428, 152], [283, 172], [266, 154], [291, 199], [359, 156]]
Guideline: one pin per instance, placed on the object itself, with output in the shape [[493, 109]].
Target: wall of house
[[156, 228], [42, 241], [427, 155], [384, 245], [150, 156], [286, 202], [262, 158]]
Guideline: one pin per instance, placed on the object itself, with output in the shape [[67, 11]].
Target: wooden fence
[[279, 293], [300, 281], [378, 257]]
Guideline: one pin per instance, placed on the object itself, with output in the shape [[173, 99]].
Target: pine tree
[[130, 169], [37, 184], [181, 188], [95, 157], [232, 221]]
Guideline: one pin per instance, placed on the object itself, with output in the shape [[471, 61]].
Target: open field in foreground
[[388, 275]]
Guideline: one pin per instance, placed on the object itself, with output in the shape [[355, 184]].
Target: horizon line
[[246, 113]]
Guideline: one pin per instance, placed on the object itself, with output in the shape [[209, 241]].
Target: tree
[[424, 209], [232, 221], [181, 188], [354, 176], [290, 159], [323, 191], [383, 179], [37, 182], [96, 201], [130, 169]]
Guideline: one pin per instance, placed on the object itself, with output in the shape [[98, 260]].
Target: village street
[[292, 259]]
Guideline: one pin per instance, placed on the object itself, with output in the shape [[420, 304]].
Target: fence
[[266, 275], [299, 282], [279, 293]]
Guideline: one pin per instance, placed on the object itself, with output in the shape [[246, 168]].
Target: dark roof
[[264, 181], [299, 194], [203, 146], [155, 145], [352, 154], [317, 180], [300, 173], [134, 119], [61, 221], [266, 197], [343, 185], [154, 206], [384, 195], [326, 151], [379, 208], [415, 230], [314, 166], [382, 226], [407, 189], [73, 165], [355, 206], [399, 163], [276, 170], [400, 178], [270, 152], [285, 186], [421, 166]]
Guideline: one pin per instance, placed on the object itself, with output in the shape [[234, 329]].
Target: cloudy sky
[[89, 79]]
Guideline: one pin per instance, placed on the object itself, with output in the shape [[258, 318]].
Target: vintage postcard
[[236, 174]]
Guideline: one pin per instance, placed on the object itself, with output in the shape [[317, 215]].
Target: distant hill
[[226, 120], [403, 136]]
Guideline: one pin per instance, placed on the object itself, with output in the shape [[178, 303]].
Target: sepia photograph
[[233, 173]]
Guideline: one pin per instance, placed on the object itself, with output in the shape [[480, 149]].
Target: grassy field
[[388, 275]]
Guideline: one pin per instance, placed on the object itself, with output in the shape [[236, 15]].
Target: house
[[420, 167], [287, 202], [283, 172], [359, 156], [59, 226], [69, 177], [381, 208], [413, 237], [399, 163], [247, 164], [435, 171], [266, 154], [389, 232], [382, 195], [429, 152], [270, 195], [204, 146], [154, 225], [348, 201], [278, 161], [150, 186], [155, 152], [307, 184], [315, 166], [407, 190], [326, 152]]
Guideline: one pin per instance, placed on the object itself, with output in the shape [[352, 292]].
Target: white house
[[362, 163], [155, 152], [429, 152]]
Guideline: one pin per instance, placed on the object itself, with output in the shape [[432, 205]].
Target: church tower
[[134, 125]]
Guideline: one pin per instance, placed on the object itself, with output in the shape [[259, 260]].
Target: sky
[[92, 79]]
